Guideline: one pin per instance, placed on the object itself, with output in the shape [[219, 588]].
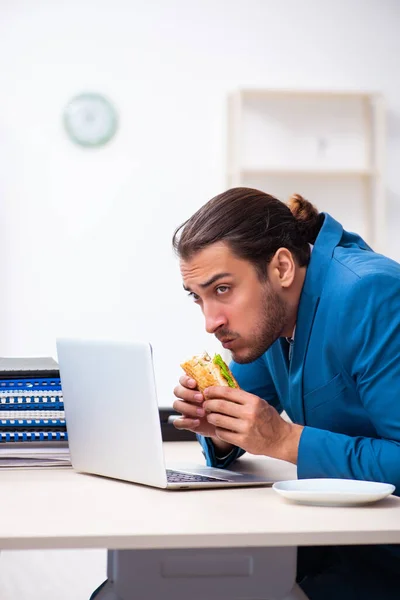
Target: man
[[311, 316]]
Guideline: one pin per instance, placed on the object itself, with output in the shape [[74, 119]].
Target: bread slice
[[206, 372]]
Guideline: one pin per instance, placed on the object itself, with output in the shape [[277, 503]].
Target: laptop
[[112, 418]]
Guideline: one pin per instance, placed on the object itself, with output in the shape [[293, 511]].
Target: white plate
[[333, 492]]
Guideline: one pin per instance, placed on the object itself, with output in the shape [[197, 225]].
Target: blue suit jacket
[[343, 380]]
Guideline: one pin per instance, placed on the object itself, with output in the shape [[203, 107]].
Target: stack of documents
[[14, 456], [33, 431]]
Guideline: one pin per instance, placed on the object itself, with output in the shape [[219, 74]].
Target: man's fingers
[[228, 436], [183, 423], [187, 382], [227, 393], [225, 407], [228, 423], [188, 395], [188, 410]]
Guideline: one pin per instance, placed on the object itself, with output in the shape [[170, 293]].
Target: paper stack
[[33, 431]]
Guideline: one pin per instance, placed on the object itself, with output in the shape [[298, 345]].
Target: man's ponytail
[[309, 220]]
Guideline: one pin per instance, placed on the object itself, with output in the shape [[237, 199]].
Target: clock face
[[90, 120]]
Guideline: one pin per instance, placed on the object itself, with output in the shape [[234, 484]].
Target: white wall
[[85, 234]]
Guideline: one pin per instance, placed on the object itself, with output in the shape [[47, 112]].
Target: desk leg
[[296, 594], [107, 590], [212, 573]]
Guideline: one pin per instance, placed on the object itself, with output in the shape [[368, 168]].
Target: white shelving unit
[[327, 146]]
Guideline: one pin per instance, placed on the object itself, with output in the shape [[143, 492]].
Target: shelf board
[[260, 93], [276, 171]]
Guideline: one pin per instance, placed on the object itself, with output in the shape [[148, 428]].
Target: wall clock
[[90, 120]]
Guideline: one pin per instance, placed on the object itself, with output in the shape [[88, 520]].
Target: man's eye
[[222, 289], [193, 296]]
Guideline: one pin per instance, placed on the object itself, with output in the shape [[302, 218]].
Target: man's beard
[[273, 320]]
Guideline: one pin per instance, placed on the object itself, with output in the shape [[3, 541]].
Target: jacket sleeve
[[368, 341], [254, 378]]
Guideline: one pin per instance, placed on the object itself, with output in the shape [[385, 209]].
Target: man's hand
[[190, 404], [251, 423]]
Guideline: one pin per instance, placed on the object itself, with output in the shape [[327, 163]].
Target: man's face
[[245, 314]]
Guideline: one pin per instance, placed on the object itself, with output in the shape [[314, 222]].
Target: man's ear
[[282, 268]]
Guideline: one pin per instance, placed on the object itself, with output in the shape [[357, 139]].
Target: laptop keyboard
[[180, 477]]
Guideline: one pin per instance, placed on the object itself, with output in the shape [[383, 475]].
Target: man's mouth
[[227, 343]]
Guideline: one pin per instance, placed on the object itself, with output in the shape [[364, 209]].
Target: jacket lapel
[[325, 244]]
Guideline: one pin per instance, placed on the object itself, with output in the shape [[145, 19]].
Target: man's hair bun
[[307, 216]]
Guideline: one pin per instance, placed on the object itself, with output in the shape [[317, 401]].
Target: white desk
[[82, 511]]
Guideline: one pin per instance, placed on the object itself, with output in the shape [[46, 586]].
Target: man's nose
[[214, 319]]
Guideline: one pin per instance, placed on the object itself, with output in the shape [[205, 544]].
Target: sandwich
[[207, 371]]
